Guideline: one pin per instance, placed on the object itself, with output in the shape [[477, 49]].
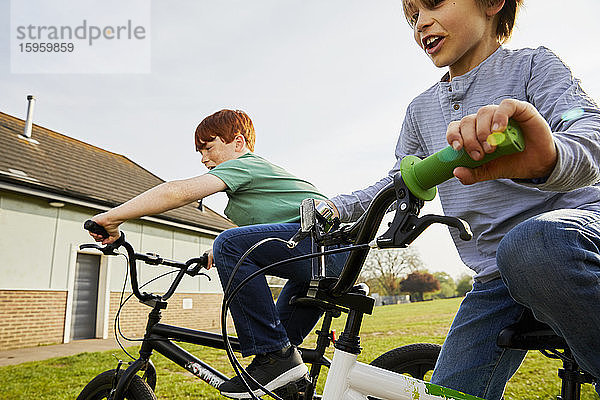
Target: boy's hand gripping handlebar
[[422, 176], [94, 227], [410, 188], [98, 229]]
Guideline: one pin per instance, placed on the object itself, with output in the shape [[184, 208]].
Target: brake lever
[[463, 227], [413, 227], [109, 249], [203, 274], [201, 262], [91, 246]]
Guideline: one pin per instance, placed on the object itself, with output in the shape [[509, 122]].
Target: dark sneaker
[[272, 370]]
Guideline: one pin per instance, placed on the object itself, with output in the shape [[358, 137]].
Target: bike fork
[[324, 337], [115, 381]]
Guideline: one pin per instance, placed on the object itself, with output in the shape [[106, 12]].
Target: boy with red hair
[[259, 193]]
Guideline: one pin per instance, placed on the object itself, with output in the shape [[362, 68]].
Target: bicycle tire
[[413, 359], [100, 387]]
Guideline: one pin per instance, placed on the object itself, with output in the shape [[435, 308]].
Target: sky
[[326, 84]]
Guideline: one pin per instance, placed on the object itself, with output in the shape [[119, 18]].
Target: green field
[[389, 327]]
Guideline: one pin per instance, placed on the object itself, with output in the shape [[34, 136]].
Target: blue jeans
[[550, 264], [261, 325]]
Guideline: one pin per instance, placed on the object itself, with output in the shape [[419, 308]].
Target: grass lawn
[[389, 327]]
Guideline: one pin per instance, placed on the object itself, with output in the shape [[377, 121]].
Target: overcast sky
[[325, 82]]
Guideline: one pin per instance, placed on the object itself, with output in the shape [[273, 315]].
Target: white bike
[[398, 374]]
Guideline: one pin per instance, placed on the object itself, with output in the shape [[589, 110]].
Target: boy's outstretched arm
[[161, 198], [536, 161]]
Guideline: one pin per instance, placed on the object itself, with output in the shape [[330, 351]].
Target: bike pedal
[[288, 392], [293, 390]]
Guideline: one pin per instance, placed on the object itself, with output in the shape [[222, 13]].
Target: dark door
[[85, 297]]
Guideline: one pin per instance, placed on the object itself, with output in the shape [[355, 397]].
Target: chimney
[[29, 121]]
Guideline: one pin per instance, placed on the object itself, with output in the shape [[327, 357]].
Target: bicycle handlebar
[[148, 258], [422, 176]]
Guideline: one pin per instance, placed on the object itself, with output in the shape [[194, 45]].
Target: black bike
[[137, 380]]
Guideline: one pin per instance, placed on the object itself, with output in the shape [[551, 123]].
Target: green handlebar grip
[[422, 176]]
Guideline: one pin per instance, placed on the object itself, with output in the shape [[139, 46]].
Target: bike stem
[[403, 230]]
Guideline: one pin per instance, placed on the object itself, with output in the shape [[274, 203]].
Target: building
[[52, 292]]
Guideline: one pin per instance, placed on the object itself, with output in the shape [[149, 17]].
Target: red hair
[[226, 124]]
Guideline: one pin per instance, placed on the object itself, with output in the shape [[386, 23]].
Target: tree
[[447, 285], [464, 285], [419, 282], [384, 269]]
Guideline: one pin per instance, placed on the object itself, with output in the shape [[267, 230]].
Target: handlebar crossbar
[[191, 267]]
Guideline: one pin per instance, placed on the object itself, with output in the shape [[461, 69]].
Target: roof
[[65, 166]]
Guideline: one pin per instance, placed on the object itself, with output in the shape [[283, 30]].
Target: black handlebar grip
[[94, 227], [204, 260]]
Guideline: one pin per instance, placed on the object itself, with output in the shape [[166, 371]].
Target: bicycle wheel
[[100, 387], [415, 360]]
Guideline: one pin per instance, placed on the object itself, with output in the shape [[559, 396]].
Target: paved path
[[18, 356]]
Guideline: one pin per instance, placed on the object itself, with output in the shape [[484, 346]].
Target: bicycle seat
[[360, 289], [530, 334]]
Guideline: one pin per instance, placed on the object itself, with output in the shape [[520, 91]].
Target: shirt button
[[456, 106]]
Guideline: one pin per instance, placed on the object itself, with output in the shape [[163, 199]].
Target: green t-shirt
[[262, 193]]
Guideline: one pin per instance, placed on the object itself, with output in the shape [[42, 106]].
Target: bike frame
[[349, 379], [159, 338]]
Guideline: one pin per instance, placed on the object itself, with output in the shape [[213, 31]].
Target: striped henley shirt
[[492, 208]]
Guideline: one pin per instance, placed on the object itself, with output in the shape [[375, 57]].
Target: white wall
[[175, 244]]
